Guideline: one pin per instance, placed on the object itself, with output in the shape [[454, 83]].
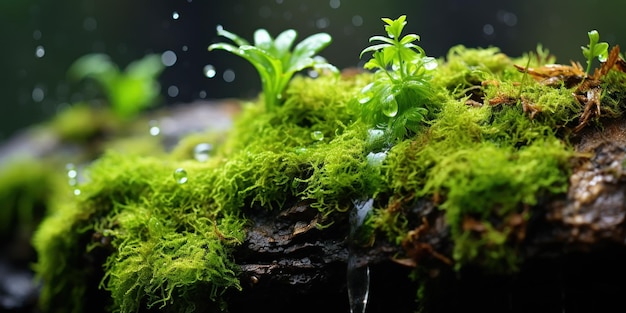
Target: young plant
[[595, 49], [273, 59], [397, 97], [128, 92]]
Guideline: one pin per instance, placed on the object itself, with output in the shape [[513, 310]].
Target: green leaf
[[262, 39], [283, 42], [236, 39], [307, 48]]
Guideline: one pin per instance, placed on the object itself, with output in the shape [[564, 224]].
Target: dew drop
[[180, 175], [155, 130], [202, 151], [335, 4], [209, 71], [175, 15], [317, 135], [365, 99], [40, 51], [390, 106], [376, 159], [76, 192], [168, 58]]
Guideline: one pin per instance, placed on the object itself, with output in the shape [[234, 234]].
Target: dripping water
[[358, 272]]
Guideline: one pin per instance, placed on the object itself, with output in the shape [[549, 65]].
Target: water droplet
[[376, 159], [229, 76], [317, 135], [154, 128], [430, 63], [172, 91], [390, 106], [185, 48], [357, 20], [335, 4], [202, 94], [202, 151], [209, 71], [38, 94], [313, 73], [76, 192], [168, 58], [180, 175], [175, 15], [37, 34], [365, 99], [72, 174], [40, 51], [300, 150]]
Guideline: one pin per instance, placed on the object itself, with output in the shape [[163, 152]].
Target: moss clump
[[156, 241]]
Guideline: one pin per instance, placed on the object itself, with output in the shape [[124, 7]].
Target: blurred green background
[[41, 38]]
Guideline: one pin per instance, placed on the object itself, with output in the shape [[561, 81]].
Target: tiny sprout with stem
[[595, 49], [398, 96], [273, 59]]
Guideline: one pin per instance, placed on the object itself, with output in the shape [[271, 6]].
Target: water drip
[[358, 272]]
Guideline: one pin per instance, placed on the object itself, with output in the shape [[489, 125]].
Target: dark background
[[34, 88]]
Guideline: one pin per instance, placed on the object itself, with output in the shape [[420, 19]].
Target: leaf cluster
[[398, 95], [595, 49], [274, 60], [129, 91]]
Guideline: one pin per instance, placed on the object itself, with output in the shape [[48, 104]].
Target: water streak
[[358, 272]]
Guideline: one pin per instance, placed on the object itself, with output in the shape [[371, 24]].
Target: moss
[[153, 242]]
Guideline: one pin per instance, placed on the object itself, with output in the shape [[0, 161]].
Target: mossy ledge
[[139, 238]]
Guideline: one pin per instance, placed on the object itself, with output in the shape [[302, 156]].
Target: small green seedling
[[128, 92], [595, 49], [273, 59], [402, 81]]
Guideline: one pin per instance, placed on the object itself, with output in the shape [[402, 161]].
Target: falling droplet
[[175, 15], [180, 175], [390, 106], [154, 128], [202, 151], [317, 135], [209, 71], [40, 51]]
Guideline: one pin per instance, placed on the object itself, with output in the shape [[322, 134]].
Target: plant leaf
[[236, 39], [283, 42], [262, 39], [306, 49]]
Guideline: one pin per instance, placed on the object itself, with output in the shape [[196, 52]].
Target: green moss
[[155, 243]]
